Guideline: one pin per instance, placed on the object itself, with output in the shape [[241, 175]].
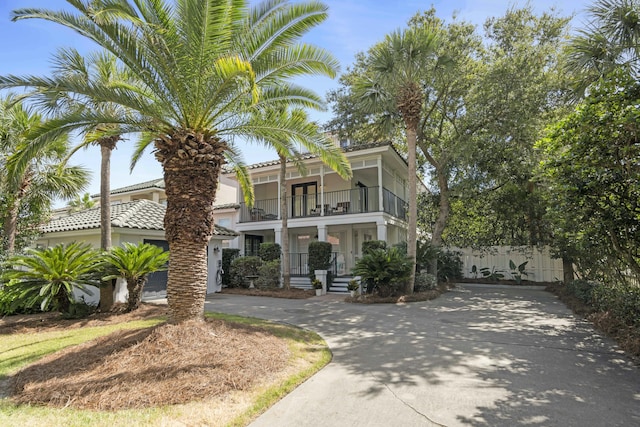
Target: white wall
[[540, 267]]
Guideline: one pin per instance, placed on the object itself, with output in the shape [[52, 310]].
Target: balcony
[[344, 202]]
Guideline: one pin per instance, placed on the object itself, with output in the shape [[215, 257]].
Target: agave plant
[[49, 276], [134, 263]]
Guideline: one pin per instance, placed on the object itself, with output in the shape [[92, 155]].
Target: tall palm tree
[[99, 69], [393, 85], [610, 40], [37, 176], [208, 71]]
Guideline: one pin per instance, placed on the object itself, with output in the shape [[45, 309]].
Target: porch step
[[339, 285]]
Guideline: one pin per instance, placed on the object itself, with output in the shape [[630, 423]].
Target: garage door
[[156, 286]]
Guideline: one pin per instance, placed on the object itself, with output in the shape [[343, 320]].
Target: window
[[252, 244], [224, 222]]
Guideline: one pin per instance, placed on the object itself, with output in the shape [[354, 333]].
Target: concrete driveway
[[477, 356]]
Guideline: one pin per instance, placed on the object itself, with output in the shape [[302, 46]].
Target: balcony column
[[322, 233], [382, 230], [321, 190], [278, 234], [380, 201]]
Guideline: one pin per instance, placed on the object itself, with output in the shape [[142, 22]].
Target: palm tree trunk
[[192, 164], [106, 147], [286, 264], [11, 226], [412, 233], [135, 293]]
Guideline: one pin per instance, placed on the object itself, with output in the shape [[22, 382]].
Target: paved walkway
[[477, 356]]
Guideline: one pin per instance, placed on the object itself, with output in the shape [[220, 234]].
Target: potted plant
[[317, 285], [353, 287]]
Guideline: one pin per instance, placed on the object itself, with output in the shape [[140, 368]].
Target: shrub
[[134, 263], [48, 276], [269, 274], [228, 255], [583, 290], [449, 266], [621, 300], [79, 310], [242, 267], [319, 256], [384, 271], [425, 282], [269, 252], [372, 245], [425, 252]]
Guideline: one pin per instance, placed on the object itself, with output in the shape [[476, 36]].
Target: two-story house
[[323, 206]]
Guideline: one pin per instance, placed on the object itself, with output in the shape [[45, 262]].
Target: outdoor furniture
[[341, 207], [257, 214]]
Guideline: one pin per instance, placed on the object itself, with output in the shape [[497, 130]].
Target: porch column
[[322, 232], [382, 230], [322, 190], [380, 201], [278, 235]]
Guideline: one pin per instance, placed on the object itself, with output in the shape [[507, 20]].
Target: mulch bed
[[293, 293], [51, 320], [164, 365], [415, 297]]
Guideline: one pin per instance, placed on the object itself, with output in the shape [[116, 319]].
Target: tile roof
[[307, 156], [139, 214], [154, 183]]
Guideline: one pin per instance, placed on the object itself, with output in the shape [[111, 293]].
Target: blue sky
[[353, 26]]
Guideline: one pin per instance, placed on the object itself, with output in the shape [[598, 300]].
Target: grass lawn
[[307, 354]]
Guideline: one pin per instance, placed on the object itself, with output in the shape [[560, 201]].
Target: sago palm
[[209, 72], [134, 263], [49, 276]]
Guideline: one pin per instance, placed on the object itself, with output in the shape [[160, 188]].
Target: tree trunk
[[11, 226], [284, 215], [135, 293], [191, 164], [443, 214], [412, 232], [106, 147], [567, 270]]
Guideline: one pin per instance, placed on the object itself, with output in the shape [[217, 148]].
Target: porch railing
[[300, 264], [342, 202]]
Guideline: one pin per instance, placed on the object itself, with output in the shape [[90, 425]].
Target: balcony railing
[[357, 200], [393, 204]]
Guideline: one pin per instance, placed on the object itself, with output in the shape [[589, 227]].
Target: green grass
[[18, 350]]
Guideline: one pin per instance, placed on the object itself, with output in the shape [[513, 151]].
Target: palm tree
[[97, 69], [393, 86], [81, 203], [134, 263], [610, 40], [208, 72], [49, 276], [27, 176]]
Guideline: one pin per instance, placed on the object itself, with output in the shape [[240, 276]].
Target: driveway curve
[[477, 356]]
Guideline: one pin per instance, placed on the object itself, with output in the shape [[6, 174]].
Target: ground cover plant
[[224, 371], [613, 309]]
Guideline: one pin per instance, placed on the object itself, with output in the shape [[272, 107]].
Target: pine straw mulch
[[627, 337], [40, 322], [164, 365], [293, 293]]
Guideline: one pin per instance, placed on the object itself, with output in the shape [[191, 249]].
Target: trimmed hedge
[[269, 252]]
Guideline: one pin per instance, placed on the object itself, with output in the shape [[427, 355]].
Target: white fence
[[540, 267]]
